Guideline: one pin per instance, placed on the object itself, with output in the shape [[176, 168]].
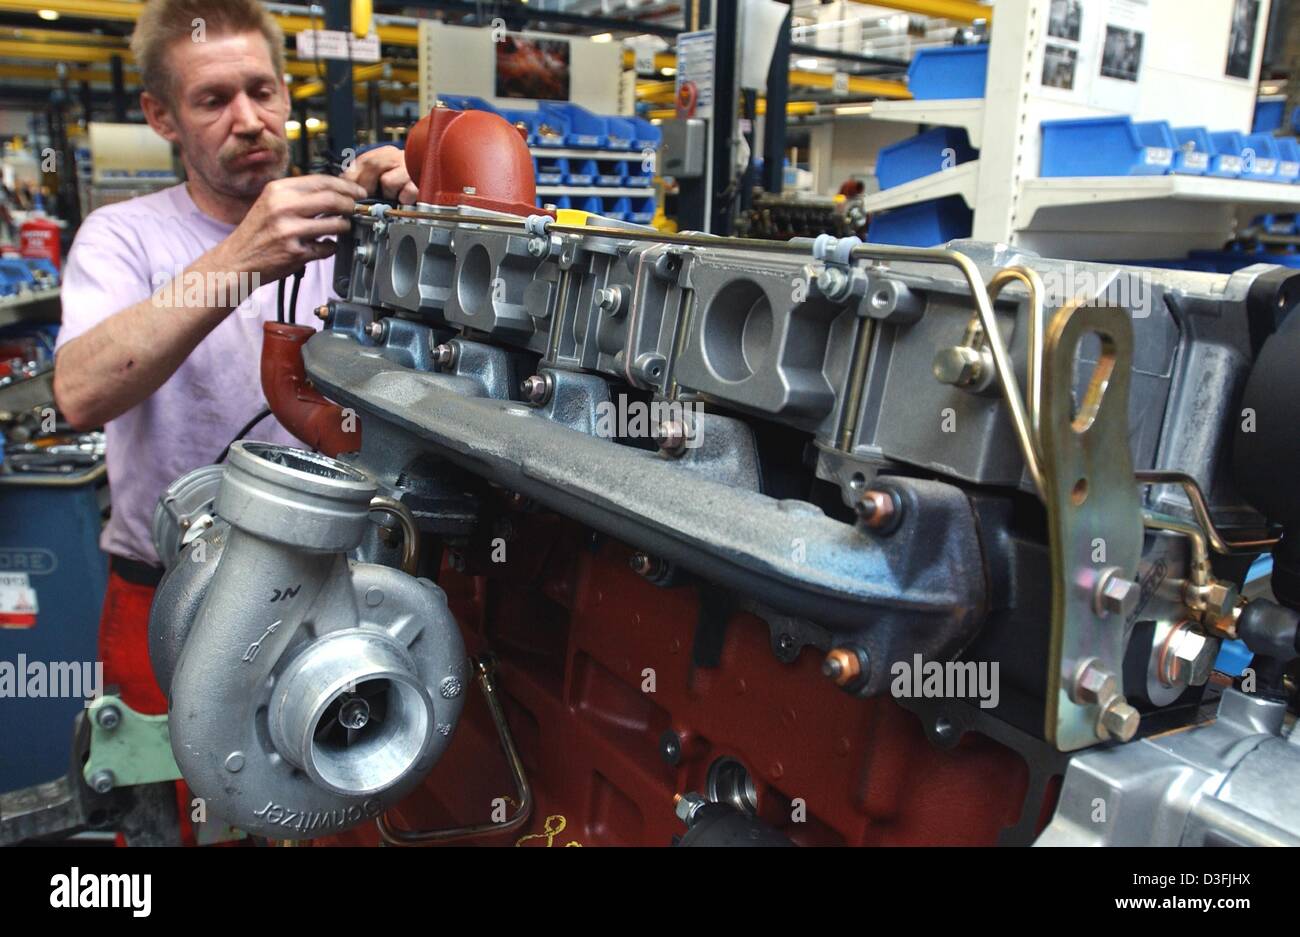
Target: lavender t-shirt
[[121, 254]]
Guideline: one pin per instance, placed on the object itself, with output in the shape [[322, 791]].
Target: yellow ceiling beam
[[965, 11], [793, 109], [22, 33], [315, 88], [54, 52], [50, 73], [858, 86]]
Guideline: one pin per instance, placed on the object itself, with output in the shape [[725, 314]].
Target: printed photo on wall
[[533, 68], [1059, 63], [1241, 38], [1064, 19], [1121, 55]]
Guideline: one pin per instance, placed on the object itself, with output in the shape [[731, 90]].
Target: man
[[168, 365]]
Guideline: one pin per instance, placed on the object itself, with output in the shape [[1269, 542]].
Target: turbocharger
[[306, 692]]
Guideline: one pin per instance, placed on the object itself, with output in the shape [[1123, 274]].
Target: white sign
[[643, 55], [695, 64], [840, 84], [17, 601], [337, 44]]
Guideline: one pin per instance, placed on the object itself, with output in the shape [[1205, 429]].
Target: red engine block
[[578, 634]]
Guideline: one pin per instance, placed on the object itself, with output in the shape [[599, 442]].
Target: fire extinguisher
[[38, 237]]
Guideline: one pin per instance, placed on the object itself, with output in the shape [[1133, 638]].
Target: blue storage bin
[[646, 136], [581, 172], [1268, 115], [1107, 146], [1260, 158], [528, 119], [949, 72], [924, 224], [611, 172], [618, 208], [636, 172], [643, 210], [622, 132], [589, 204], [467, 102], [922, 155], [1288, 153], [1192, 158], [552, 127], [582, 128], [551, 170], [1225, 153]]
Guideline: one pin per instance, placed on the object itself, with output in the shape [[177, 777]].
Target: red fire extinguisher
[[38, 237]]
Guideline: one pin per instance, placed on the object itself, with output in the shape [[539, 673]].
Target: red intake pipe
[[298, 405]]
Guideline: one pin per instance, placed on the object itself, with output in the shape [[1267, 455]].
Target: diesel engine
[[606, 536]]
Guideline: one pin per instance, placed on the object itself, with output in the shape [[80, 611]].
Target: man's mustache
[[266, 142]]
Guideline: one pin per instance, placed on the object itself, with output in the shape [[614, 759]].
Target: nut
[[1187, 655], [958, 365], [687, 805], [876, 509], [323, 313], [832, 281], [1219, 599], [1118, 720], [444, 356], [643, 564], [841, 666], [610, 299], [1116, 594], [377, 329], [536, 390], [673, 436]]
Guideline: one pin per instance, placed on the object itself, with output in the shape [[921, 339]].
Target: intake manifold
[[306, 692]]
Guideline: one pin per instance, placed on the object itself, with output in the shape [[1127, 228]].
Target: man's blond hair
[[164, 23]]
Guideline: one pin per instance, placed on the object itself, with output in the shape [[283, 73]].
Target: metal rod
[[398, 837], [1197, 499], [410, 533]]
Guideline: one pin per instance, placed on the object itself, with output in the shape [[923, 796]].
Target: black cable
[[293, 295], [242, 433], [279, 301]]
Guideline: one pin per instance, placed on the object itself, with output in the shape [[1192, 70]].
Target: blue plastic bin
[[1260, 158], [551, 170], [922, 155], [527, 118], [582, 129], [950, 72], [1268, 115], [924, 224], [611, 172], [1225, 153], [1192, 158], [581, 172], [646, 135], [643, 210], [1107, 146], [622, 133], [1288, 153]]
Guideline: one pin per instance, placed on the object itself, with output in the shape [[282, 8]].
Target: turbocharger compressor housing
[[306, 692]]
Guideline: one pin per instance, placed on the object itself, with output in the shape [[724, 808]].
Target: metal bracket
[[126, 747], [1095, 525]]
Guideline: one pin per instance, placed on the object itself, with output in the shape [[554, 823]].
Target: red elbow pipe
[[300, 407]]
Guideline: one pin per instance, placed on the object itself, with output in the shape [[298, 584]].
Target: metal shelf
[[39, 306], [967, 113], [586, 154], [959, 180], [585, 191]]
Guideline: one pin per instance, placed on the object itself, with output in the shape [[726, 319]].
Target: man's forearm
[[117, 364]]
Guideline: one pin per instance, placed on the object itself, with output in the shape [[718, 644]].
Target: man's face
[[227, 113]]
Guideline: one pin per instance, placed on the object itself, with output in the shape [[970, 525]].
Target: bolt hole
[[1079, 493]]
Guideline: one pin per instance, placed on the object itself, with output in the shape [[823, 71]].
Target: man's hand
[[383, 169], [281, 231]]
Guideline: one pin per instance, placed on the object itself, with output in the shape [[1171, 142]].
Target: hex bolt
[[958, 365], [841, 666], [1116, 594], [832, 282], [670, 747], [323, 312], [537, 246], [610, 299], [673, 436], [1093, 684], [536, 390], [109, 717], [444, 355], [377, 329], [1119, 720], [103, 781]]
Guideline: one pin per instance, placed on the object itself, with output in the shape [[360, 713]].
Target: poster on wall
[[532, 68], [1123, 35], [1241, 38], [1065, 51]]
